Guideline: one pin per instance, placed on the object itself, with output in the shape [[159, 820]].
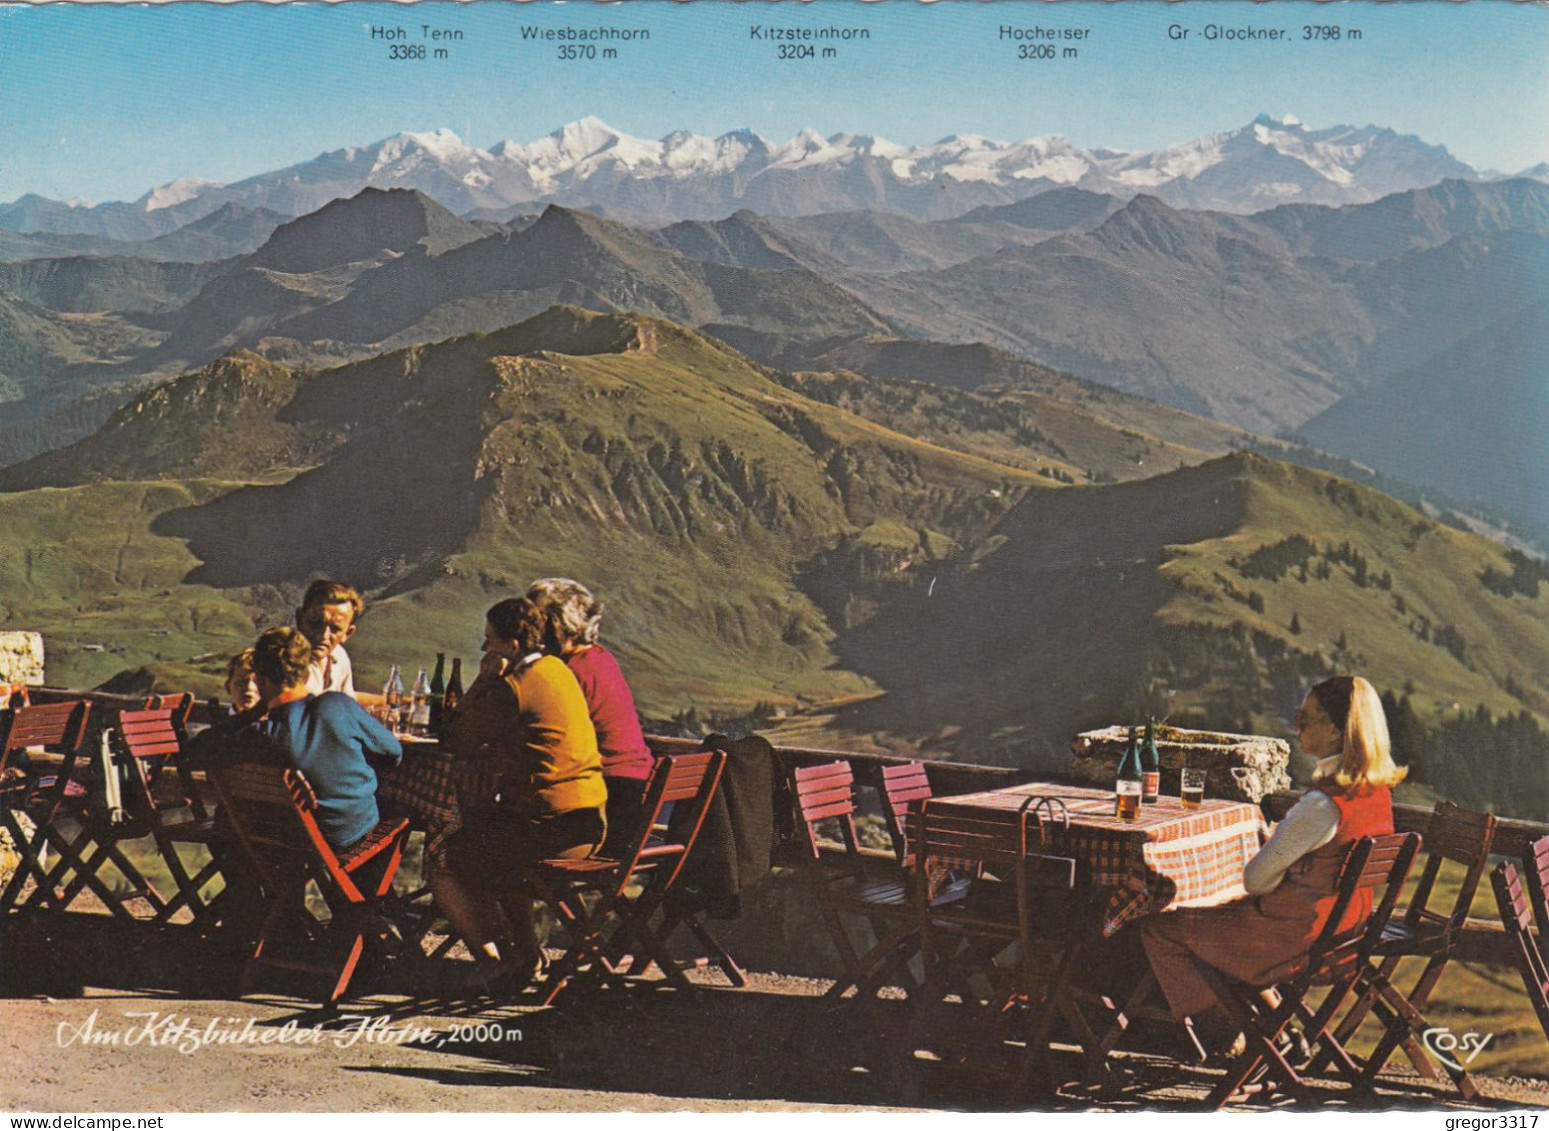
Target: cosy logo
[[1447, 1046]]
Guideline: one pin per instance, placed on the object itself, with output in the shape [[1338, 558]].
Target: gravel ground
[[102, 1018], [591, 1054], [269, 1055]]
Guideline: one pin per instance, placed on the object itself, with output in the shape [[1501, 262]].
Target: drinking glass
[[1193, 791], [1126, 799]]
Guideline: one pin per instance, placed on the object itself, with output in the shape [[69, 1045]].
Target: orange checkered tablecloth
[[1168, 857]]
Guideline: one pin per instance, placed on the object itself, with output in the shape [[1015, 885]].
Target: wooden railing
[[946, 778]]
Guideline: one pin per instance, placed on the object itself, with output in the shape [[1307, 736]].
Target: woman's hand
[[493, 665]]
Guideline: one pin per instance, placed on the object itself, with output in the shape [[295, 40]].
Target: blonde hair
[[573, 615], [1353, 705], [325, 591]]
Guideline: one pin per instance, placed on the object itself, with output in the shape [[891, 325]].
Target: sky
[[104, 101]]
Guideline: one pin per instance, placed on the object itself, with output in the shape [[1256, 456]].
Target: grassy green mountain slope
[[664, 468], [1090, 435], [42, 351], [1184, 595], [82, 566]]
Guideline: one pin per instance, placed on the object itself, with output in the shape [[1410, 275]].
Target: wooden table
[[1168, 857]]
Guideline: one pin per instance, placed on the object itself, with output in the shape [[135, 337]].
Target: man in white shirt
[[327, 619]]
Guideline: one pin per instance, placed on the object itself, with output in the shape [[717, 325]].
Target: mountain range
[[1469, 420], [1213, 313], [853, 548], [589, 165], [1261, 322], [1214, 594], [228, 231]]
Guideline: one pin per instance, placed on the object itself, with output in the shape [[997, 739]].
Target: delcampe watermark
[[187, 1035]]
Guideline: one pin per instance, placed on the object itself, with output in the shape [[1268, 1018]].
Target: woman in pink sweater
[[573, 618]]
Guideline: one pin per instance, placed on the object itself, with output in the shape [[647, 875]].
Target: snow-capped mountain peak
[[441, 146], [588, 164], [174, 193]]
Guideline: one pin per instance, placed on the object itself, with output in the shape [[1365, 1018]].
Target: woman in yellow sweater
[[526, 714]]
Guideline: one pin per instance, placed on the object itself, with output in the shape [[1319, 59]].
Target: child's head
[[241, 687]]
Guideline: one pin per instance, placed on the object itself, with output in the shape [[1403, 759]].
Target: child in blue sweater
[[330, 738]]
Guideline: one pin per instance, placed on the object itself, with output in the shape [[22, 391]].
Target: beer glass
[[1193, 790], [1126, 799]]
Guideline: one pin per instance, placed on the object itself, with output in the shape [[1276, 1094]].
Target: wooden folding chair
[[160, 800], [273, 810], [1464, 838], [167, 795], [848, 883], [180, 703], [588, 895], [1342, 960], [901, 786], [1024, 894], [1535, 864], [36, 787], [1516, 911]]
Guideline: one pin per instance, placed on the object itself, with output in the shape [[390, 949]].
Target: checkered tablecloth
[[435, 792], [1168, 857]]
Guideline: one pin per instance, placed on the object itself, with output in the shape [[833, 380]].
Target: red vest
[[1307, 893]]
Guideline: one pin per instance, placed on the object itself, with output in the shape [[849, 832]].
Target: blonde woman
[[1291, 882]]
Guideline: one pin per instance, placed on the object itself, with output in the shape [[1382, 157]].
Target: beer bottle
[[392, 690], [1150, 766], [454, 689], [1127, 787], [392, 697], [419, 710], [437, 693]]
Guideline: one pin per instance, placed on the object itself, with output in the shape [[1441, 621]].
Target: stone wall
[[1239, 767], [21, 658]]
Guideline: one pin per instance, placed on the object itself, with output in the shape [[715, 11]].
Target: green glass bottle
[[437, 693], [1150, 766], [454, 687], [1128, 785]]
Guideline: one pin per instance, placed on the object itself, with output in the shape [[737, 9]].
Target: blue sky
[[105, 101]]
